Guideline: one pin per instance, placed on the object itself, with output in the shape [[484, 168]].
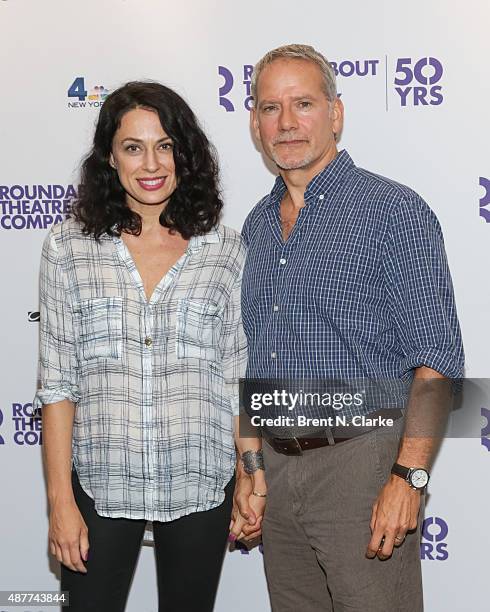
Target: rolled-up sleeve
[[421, 293], [58, 366], [235, 347]]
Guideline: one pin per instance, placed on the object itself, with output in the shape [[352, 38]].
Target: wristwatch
[[417, 478]]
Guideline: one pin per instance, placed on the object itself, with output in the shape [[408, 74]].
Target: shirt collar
[[321, 184], [195, 242]]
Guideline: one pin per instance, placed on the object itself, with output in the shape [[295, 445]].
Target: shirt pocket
[[100, 328], [198, 330]]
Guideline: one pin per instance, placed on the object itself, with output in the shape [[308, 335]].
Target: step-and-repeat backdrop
[[414, 81]]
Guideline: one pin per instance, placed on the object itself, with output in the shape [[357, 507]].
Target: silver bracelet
[[252, 461], [259, 494]]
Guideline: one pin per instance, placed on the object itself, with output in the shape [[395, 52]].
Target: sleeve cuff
[[442, 361], [53, 395]]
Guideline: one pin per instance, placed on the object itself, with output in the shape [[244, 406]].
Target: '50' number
[[424, 91]]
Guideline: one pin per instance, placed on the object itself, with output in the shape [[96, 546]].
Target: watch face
[[419, 478]]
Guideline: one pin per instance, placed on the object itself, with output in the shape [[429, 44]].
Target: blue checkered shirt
[[360, 290]]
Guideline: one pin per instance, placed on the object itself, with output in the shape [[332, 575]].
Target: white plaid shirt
[[155, 382]]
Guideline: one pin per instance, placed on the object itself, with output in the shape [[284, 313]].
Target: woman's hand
[[243, 490], [68, 535], [251, 532], [248, 511]]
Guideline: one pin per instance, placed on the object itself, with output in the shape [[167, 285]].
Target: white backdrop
[[431, 133]]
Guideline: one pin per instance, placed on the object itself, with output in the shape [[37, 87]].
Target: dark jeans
[[189, 555]]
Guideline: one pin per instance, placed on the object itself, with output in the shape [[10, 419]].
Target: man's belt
[[296, 446]]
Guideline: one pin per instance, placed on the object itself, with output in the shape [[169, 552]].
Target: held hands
[[395, 512], [68, 535], [248, 511]]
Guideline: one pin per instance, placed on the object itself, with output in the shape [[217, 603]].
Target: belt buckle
[[283, 446], [298, 449]]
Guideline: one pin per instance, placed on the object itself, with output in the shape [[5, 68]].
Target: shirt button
[[282, 261], [321, 196], [273, 355], [276, 307], [148, 341]]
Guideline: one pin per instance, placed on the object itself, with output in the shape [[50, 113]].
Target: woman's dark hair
[[195, 206]]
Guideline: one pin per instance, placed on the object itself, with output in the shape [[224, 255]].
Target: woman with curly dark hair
[[141, 349]]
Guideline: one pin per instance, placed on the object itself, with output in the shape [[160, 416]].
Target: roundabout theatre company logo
[[485, 430], [345, 68], [485, 199], [27, 427], [25, 207], [414, 81]]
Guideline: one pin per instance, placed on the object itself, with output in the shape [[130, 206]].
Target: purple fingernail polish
[[231, 537]]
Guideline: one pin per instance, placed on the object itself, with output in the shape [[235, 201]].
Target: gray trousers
[[316, 530]]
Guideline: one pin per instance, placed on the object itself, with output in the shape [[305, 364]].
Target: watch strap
[[400, 470]]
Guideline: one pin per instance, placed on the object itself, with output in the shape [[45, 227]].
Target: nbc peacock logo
[[81, 97]]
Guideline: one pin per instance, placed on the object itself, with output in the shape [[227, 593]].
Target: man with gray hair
[[346, 279]]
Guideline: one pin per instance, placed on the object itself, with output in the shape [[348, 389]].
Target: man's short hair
[[304, 52]]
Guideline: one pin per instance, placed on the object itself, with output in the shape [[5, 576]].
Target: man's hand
[[394, 513], [68, 535], [241, 529], [252, 532], [248, 511]]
